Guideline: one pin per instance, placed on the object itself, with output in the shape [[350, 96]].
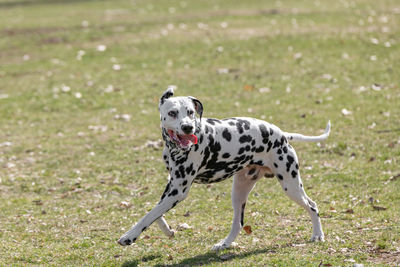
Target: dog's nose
[[187, 129]]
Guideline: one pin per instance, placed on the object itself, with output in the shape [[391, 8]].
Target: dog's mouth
[[184, 140]]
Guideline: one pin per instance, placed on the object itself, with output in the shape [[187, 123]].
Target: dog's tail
[[305, 138]]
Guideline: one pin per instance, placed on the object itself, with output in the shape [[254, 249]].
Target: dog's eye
[[190, 113], [172, 113]]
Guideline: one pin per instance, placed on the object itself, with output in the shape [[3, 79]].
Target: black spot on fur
[[277, 143], [289, 163], [269, 175], [241, 150], [239, 128], [227, 135], [165, 96], [252, 171], [226, 155], [184, 183], [173, 193], [259, 149], [264, 133], [280, 158], [208, 130], [144, 228], [165, 191], [127, 242], [213, 121], [182, 171], [189, 169], [285, 149], [280, 177], [242, 215], [314, 210], [245, 138], [279, 151], [269, 146], [205, 157], [176, 202], [294, 174], [285, 189], [275, 165]]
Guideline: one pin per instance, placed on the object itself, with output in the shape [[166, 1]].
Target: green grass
[[66, 163]]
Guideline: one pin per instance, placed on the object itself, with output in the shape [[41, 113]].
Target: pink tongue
[[185, 139]]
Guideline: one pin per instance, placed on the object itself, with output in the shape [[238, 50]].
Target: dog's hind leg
[[162, 223], [289, 177], [242, 185]]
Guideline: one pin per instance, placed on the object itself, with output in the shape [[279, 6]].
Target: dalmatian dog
[[199, 150]]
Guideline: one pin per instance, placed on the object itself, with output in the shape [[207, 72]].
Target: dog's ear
[[167, 94], [197, 105]]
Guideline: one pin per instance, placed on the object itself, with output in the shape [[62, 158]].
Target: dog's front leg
[[175, 191]]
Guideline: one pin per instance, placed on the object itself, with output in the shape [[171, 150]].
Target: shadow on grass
[[24, 3], [207, 258], [146, 258]]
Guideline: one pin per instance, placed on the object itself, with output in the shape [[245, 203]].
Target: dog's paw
[[126, 241], [171, 233], [222, 245], [318, 238]]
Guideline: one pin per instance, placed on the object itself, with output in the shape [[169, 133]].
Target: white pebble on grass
[[101, 48], [116, 67], [346, 112]]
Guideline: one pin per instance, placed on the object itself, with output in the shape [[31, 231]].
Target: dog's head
[[178, 118]]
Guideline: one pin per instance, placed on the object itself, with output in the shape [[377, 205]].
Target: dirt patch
[[388, 257]]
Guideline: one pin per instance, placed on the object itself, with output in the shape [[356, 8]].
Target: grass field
[[79, 89]]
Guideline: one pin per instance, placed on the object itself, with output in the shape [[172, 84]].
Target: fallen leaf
[[379, 208], [349, 211], [170, 258], [187, 214], [247, 229], [248, 87], [38, 202], [125, 204]]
